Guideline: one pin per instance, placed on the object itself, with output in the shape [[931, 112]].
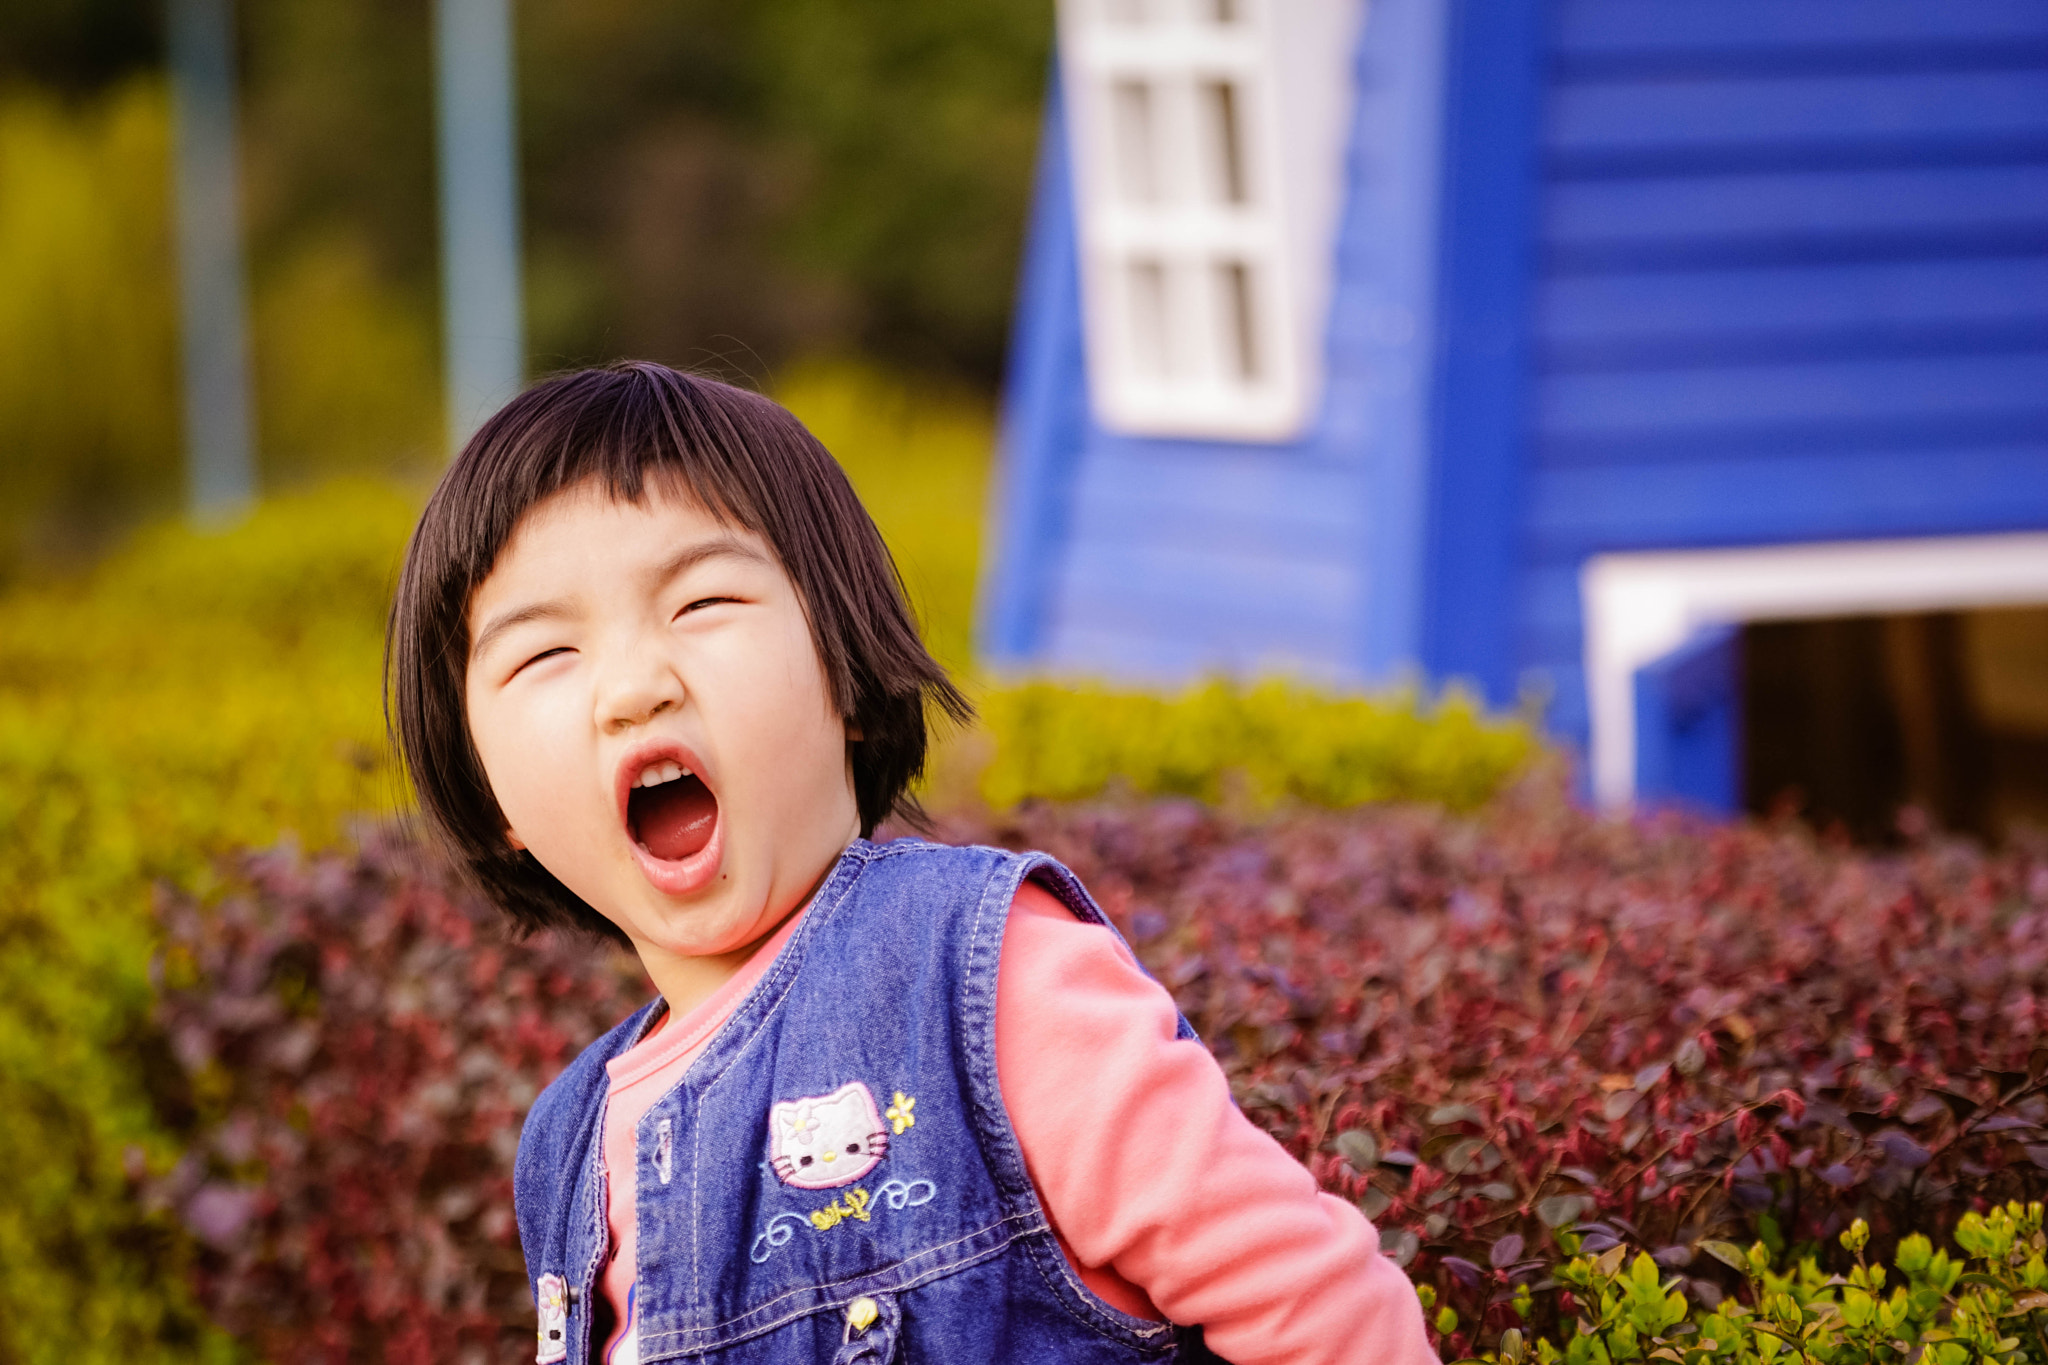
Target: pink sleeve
[[1146, 1168]]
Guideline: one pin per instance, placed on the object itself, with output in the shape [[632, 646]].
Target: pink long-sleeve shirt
[[1168, 1202]]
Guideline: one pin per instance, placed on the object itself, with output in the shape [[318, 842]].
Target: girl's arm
[[1152, 1176]]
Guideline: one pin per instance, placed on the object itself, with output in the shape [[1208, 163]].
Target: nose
[[638, 687]]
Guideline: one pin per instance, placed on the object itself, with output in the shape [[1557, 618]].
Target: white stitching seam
[[780, 981], [1095, 1302], [920, 1278], [1088, 1297], [601, 1234]]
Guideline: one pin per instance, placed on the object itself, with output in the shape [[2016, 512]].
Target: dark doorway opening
[[1847, 720]]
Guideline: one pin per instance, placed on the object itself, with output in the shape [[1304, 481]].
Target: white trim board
[[1639, 607]]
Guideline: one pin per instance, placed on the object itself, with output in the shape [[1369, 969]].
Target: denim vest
[[835, 1177]]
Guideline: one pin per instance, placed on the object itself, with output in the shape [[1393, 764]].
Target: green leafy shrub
[[1987, 1306], [1281, 739]]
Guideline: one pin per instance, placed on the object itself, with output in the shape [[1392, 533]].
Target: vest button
[[574, 1295], [861, 1313]]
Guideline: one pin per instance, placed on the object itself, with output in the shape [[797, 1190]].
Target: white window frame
[[1205, 309], [1640, 607]]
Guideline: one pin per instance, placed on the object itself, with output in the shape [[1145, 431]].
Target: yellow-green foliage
[[347, 380], [1988, 1306], [199, 692], [1278, 738]]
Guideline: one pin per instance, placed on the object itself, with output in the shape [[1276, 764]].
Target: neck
[[687, 982]]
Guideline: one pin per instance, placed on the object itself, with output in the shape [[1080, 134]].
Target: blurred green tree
[[88, 401], [731, 187], [738, 185]]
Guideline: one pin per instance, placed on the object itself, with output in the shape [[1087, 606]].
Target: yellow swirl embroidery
[[899, 1113], [834, 1213]]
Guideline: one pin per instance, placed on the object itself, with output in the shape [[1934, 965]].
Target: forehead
[[586, 536]]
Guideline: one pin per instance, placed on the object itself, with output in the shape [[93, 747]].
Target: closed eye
[[544, 654], [703, 602]]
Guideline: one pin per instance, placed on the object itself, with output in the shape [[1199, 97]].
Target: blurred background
[[1275, 403], [734, 189]]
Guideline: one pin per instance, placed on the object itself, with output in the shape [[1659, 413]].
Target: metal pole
[[482, 337], [220, 464]]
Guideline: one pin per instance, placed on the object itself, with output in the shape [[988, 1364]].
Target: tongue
[[674, 819]]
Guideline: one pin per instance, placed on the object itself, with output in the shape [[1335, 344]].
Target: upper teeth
[[657, 773]]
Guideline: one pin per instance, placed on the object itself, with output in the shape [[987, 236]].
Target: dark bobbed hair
[[628, 428]]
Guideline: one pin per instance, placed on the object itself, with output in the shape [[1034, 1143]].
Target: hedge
[[1263, 743], [196, 695], [1661, 1032], [1540, 1048]]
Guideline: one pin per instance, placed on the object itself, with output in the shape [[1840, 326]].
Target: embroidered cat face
[[818, 1141]]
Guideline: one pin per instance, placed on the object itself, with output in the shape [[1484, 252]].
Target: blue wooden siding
[[1791, 283], [1188, 555], [1044, 416]]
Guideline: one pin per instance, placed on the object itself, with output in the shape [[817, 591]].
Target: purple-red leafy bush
[[1660, 1032], [1485, 1030], [360, 1042]]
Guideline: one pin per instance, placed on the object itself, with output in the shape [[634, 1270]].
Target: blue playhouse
[[1547, 345]]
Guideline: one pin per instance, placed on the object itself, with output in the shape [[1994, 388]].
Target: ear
[[512, 838], [854, 734]]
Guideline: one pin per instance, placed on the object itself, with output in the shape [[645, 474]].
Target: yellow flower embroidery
[[834, 1213], [899, 1113]]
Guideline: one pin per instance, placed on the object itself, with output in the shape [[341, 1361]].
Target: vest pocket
[[873, 1322]]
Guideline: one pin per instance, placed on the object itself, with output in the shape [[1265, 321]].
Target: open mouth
[[670, 812]]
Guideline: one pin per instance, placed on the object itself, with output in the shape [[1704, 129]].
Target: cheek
[[525, 758], [779, 695], [790, 663]]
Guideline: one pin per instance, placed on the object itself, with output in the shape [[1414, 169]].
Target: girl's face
[[656, 724]]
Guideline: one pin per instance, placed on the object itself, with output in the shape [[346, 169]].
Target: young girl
[[653, 677]]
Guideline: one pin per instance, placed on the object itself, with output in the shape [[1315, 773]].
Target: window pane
[[1137, 152], [1224, 109], [1240, 322], [1151, 349]]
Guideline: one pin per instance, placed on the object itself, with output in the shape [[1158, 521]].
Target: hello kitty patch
[[827, 1142], [817, 1142]]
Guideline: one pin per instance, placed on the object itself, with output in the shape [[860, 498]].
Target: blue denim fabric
[[889, 981]]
